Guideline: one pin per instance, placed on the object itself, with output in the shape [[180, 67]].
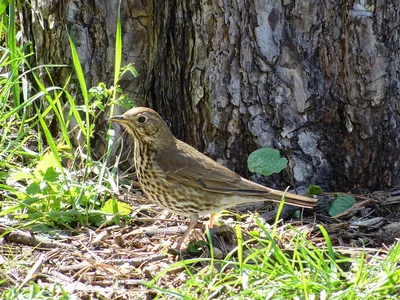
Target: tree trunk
[[315, 79]]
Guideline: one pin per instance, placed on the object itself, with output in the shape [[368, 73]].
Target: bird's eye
[[141, 119]]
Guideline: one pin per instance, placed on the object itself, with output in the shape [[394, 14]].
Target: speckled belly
[[176, 197]]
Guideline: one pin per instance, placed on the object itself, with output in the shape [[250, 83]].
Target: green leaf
[[131, 69], [51, 175], [313, 190], [266, 161], [22, 176], [341, 204], [33, 189], [123, 208], [48, 160], [127, 103], [98, 220], [3, 6], [254, 233], [63, 217], [40, 228]]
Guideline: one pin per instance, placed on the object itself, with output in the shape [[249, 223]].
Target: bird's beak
[[118, 119]]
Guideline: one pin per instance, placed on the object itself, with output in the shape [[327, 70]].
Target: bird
[[183, 180]]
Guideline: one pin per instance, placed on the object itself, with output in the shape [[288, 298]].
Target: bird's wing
[[185, 165]]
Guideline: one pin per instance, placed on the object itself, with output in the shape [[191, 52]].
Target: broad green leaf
[[123, 208], [22, 176], [24, 203], [266, 161], [48, 160], [313, 190], [51, 175], [33, 189], [341, 204], [61, 216], [3, 6], [98, 220]]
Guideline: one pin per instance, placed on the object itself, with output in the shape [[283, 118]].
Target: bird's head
[[146, 126]]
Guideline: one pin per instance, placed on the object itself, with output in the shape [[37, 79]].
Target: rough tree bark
[[317, 80]]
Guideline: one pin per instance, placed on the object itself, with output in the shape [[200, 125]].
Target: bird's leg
[[211, 221], [193, 221]]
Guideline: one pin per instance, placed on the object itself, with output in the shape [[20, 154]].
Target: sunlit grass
[[296, 269], [274, 266], [48, 180], [49, 177]]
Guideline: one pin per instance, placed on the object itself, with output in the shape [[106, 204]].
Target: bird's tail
[[293, 199]]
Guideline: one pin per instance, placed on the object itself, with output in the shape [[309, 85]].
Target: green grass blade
[[12, 46], [240, 245], [118, 50], [25, 104], [51, 142], [85, 96], [117, 71], [278, 213], [55, 106], [331, 252]]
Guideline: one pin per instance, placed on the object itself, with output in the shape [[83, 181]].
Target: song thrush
[[184, 181]]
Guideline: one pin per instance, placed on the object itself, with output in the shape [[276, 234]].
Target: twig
[[137, 261], [29, 239]]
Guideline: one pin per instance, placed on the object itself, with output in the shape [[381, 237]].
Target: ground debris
[[119, 261]]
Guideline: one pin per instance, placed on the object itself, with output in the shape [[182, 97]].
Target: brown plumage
[[181, 179]]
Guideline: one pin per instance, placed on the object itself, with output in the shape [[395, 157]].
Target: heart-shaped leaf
[[341, 204], [266, 161]]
